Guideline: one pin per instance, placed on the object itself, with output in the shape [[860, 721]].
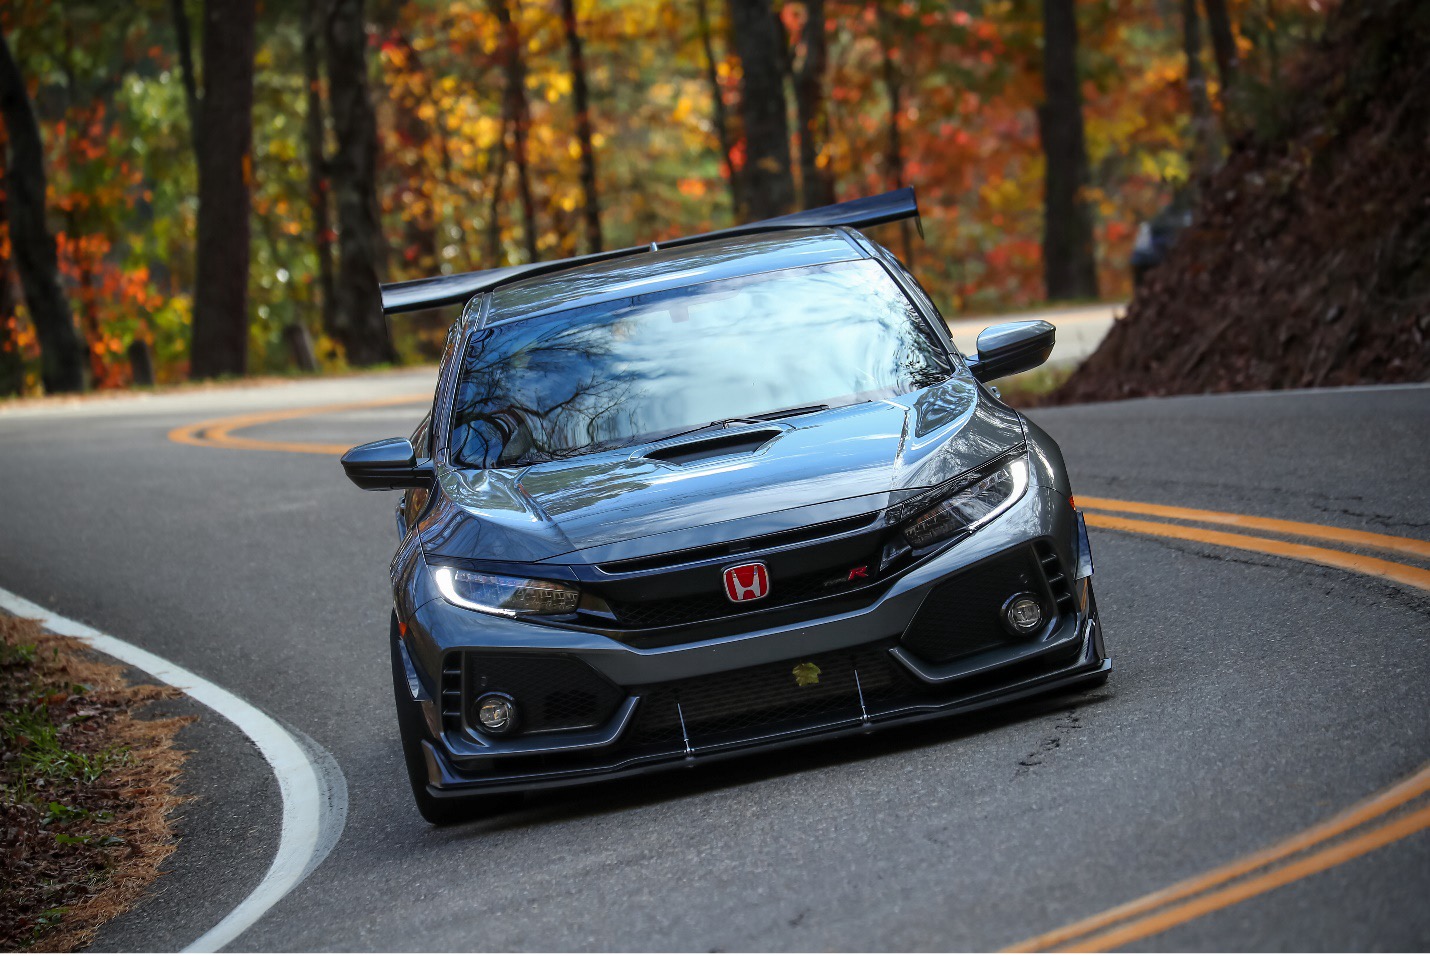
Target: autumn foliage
[[106, 84], [1308, 263]]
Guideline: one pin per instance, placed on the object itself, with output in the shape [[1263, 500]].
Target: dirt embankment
[[1308, 261], [86, 790]]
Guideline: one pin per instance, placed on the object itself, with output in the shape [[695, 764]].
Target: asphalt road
[[1252, 697]]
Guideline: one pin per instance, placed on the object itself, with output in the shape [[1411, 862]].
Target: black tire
[[413, 730]]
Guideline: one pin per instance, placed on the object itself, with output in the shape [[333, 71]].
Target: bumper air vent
[[1058, 582], [551, 693], [963, 615]]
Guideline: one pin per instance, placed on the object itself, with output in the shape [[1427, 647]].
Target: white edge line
[[298, 782]]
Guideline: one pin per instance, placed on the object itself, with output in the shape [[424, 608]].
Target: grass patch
[[1030, 389], [86, 789]]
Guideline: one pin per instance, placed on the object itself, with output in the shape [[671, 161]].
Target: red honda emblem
[[747, 582]]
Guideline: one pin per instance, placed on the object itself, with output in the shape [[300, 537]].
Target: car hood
[[814, 468]]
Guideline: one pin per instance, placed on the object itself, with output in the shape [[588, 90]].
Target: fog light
[[1022, 614], [496, 713]]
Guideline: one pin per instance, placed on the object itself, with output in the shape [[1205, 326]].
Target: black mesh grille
[[766, 698], [551, 693], [714, 604], [963, 615]]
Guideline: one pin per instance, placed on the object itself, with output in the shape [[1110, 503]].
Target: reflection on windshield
[[638, 368]]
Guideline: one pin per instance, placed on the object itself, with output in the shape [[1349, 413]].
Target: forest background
[[223, 183]]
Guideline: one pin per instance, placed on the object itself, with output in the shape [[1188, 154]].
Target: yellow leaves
[[684, 106], [485, 130], [557, 84], [1001, 195], [1170, 166]]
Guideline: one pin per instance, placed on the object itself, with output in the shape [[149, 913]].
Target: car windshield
[[644, 367]]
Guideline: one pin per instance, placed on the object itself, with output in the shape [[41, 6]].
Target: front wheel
[[413, 730]]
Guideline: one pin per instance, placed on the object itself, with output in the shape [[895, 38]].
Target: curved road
[[1258, 698]]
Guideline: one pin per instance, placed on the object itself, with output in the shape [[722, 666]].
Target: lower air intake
[[551, 693], [964, 615]]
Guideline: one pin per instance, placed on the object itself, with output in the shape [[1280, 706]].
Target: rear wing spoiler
[[418, 294]]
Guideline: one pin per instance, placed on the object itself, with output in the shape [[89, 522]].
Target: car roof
[[663, 269]]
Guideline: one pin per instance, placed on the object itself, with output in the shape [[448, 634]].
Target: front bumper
[[684, 704]]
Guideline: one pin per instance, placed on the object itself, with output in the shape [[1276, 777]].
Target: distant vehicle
[[730, 493], [1155, 239]]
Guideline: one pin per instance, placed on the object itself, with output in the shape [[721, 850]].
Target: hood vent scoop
[[714, 446]]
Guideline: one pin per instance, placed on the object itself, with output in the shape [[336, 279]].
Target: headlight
[[509, 597], [973, 502]]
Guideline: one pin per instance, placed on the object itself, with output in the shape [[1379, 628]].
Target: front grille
[[551, 693], [764, 542], [712, 605], [766, 698], [963, 615]]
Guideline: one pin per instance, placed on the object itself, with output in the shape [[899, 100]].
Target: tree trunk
[[353, 170], [894, 153], [768, 182], [592, 212], [1224, 45], [717, 101], [497, 167], [319, 201], [816, 182], [1069, 267], [12, 363], [419, 249], [518, 116], [183, 40], [62, 353], [1204, 148], [219, 342]]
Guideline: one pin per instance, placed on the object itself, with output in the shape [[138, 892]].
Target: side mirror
[[1012, 347], [386, 464]]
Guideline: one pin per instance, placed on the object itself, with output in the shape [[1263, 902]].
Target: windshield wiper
[[782, 413], [747, 419]]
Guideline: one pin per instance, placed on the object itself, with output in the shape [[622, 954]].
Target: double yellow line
[[218, 432], [1308, 852], [1380, 820], [1345, 560]]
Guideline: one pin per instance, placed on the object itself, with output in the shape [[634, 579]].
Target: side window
[[920, 293], [924, 301], [446, 372], [422, 437], [415, 500]]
